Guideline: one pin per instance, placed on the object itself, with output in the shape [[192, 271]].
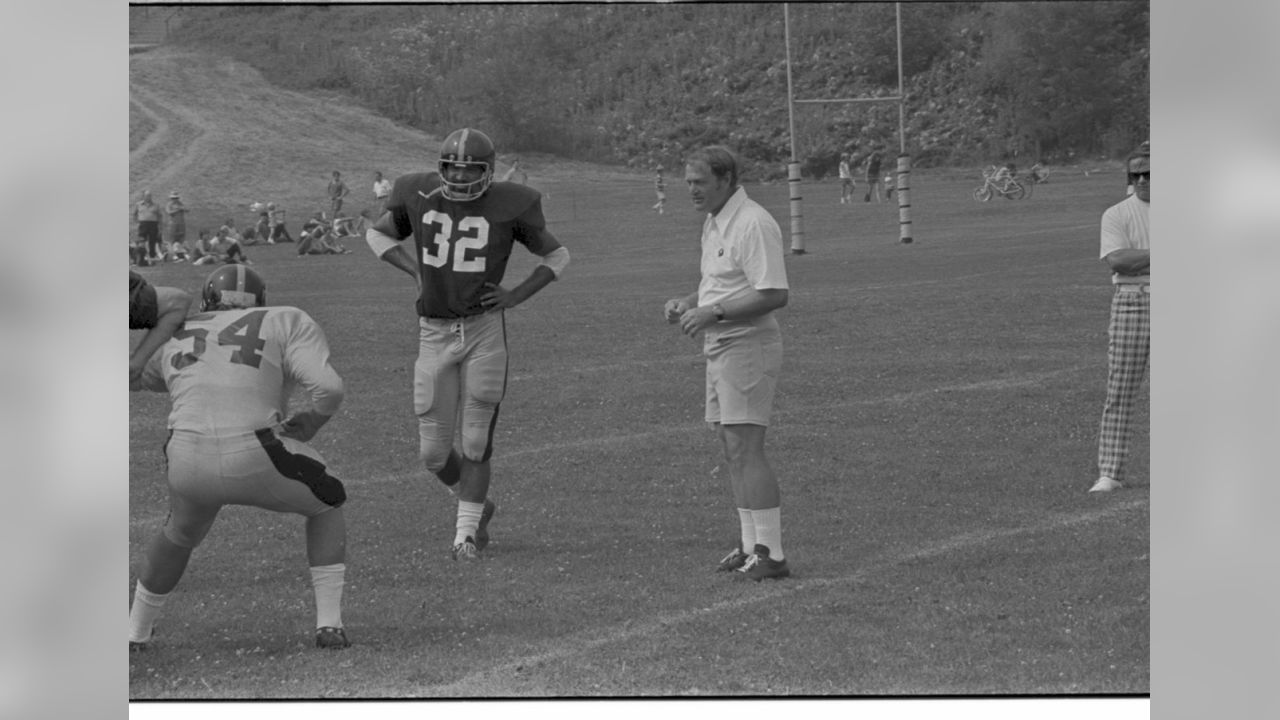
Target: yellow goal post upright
[[903, 182]]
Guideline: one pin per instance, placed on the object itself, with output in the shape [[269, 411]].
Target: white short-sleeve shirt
[[1126, 226], [741, 250]]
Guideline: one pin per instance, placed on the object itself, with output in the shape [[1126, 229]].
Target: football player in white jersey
[[227, 372], [464, 226]]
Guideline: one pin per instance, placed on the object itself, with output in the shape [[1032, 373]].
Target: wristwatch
[[718, 311]]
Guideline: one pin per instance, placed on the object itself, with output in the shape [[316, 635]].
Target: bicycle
[[998, 181]]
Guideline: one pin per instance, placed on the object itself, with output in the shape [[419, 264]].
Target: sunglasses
[[1141, 175]]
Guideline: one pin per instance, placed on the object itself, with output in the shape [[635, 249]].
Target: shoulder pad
[[507, 200]]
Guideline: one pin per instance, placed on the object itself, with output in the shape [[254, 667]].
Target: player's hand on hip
[[498, 297]]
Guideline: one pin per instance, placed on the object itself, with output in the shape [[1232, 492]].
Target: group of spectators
[[321, 234], [148, 248], [871, 172]]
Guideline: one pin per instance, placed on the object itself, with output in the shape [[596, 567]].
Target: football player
[[464, 226], [228, 371], [158, 310]]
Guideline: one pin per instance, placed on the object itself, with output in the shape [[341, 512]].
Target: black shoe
[[332, 638], [734, 560], [760, 566]]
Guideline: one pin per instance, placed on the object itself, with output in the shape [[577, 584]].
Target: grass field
[[935, 435]]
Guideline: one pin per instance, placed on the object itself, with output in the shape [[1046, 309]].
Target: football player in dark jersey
[[464, 226]]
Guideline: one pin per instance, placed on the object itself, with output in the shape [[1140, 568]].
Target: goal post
[[903, 170]]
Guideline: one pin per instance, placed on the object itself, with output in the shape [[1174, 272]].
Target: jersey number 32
[[472, 234]]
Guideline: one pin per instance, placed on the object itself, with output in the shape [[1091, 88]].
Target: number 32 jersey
[[232, 371], [461, 246]]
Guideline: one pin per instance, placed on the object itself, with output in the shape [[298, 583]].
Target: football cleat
[[732, 561], [332, 638], [466, 551], [760, 566], [482, 532], [142, 645]]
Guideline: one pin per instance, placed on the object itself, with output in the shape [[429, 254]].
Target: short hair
[[722, 161]]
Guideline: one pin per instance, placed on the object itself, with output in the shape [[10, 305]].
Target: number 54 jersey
[[462, 246], [231, 371]]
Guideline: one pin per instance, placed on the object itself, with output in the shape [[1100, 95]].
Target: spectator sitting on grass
[[177, 252], [317, 238], [219, 249], [351, 226], [262, 228], [204, 253], [276, 218]]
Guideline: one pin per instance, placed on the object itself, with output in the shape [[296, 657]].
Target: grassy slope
[[935, 434]]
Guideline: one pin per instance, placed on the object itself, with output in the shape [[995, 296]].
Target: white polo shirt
[[741, 250], [1125, 226]]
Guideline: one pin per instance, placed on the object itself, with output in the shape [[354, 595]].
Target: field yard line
[[1022, 380], [488, 681]]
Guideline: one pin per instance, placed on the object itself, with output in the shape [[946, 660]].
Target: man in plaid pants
[[1126, 248]]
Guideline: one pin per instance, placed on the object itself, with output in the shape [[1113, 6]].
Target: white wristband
[[380, 242], [556, 261]]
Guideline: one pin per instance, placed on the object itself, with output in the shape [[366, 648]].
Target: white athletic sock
[[769, 530], [468, 520], [327, 581], [748, 529], [144, 612]]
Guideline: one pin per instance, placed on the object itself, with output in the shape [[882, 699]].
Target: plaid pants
[[1128, 354]]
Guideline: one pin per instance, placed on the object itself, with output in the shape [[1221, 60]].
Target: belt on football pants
[[1134, 288]]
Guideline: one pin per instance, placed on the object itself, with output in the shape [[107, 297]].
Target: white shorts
[[744, 360]]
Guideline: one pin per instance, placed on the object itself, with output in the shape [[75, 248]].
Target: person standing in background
[[660, 188], [177, 213], [1126, 249], [381, 191], [147, 214], [337, 191], [874, 181], [846, 179]]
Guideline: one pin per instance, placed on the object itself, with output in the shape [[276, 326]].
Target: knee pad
[[477, 436], [435, 442]]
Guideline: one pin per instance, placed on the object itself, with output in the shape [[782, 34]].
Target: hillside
[[636, 85], [215, 130]]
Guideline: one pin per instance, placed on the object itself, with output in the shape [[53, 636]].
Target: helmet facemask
[[464, 191]]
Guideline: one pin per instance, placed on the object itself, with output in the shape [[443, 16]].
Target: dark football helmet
[[467, 148], [233, 286]]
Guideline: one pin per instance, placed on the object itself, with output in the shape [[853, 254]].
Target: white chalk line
[[583, 643], [995, 384]]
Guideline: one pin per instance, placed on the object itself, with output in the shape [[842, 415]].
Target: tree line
[[639, 84]]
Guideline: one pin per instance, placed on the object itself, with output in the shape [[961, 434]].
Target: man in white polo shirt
[[744, 279], [1126, 248]]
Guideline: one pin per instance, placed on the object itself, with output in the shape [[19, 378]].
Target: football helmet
[[233, 286], [467, 148]]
